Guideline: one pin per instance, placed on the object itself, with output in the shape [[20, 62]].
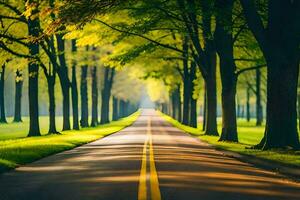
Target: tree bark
[[281, 125], [106, 93], [211, 105], [2, 99], [299, 111], [94, 97], [84, 121], [173, 103], [279, 43], [248, 114], [115, 115], [179, 107], [33, 71], [18, 96], [186, 83], [193, 102], [121, 108], [259, 112], [204, 110], [51, 93], [74, 91], [224, 47], [64, 81]]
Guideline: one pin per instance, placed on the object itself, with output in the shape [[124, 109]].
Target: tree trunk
[[179, 116], [51, 93], [228, 79], [259, 112], [33, 71], [211, 106], [84, 121], [204, 110], [281, 125], [115, 109], [279, 43], [224, 46], [299, 110], [121, 108], [74, 91], [126, 108], [173, 104], [186, 84], [94, 97], [248, 105], [2, 101], [18, 96], [106, 93], [186, 101], [193, 102], [64, 81]]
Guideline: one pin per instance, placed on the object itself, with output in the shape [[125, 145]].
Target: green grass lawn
[[18, 151], [248, 135], [18, 130]]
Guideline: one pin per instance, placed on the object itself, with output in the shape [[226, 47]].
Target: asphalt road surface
[[148, 160]]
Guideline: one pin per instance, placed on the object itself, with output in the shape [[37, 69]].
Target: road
[[148, 160]]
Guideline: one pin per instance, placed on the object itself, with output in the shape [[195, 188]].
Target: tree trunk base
[[3, 121], [54, 133], [211, 133], [229, 135]]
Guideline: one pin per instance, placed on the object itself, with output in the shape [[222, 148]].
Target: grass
[[15, 152], [249, 135], [13, 130]]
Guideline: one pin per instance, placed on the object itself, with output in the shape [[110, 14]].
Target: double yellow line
[[154, 184]]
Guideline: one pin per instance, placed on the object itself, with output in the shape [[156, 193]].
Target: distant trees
[[176, 43], [74, 89], [109, 74], [29, 31], [226, 28]]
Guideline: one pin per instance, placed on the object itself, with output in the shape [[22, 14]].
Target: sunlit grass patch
[[249, 135], [15, 152]]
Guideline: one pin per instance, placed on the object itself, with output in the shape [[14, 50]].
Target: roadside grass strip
[[249, 135], [15, 152]]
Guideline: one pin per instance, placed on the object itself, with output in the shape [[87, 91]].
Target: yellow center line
[[154, 184], [142, 193]]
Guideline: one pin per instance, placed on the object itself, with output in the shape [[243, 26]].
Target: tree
[[279, 41], [18, 96], [115, 115], [33, 70], [84, 97], [62, 72], [106, 93], [2, 103], [74, 89], [94, 97]]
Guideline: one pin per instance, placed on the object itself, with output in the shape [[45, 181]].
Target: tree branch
[[254, 22], [239, 72], [18, 12], [21, 19], [138, 35]]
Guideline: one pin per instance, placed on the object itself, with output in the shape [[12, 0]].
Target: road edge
[[288, 171]]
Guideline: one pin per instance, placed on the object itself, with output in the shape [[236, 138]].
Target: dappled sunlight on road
[[190, 169], [109, 169]]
